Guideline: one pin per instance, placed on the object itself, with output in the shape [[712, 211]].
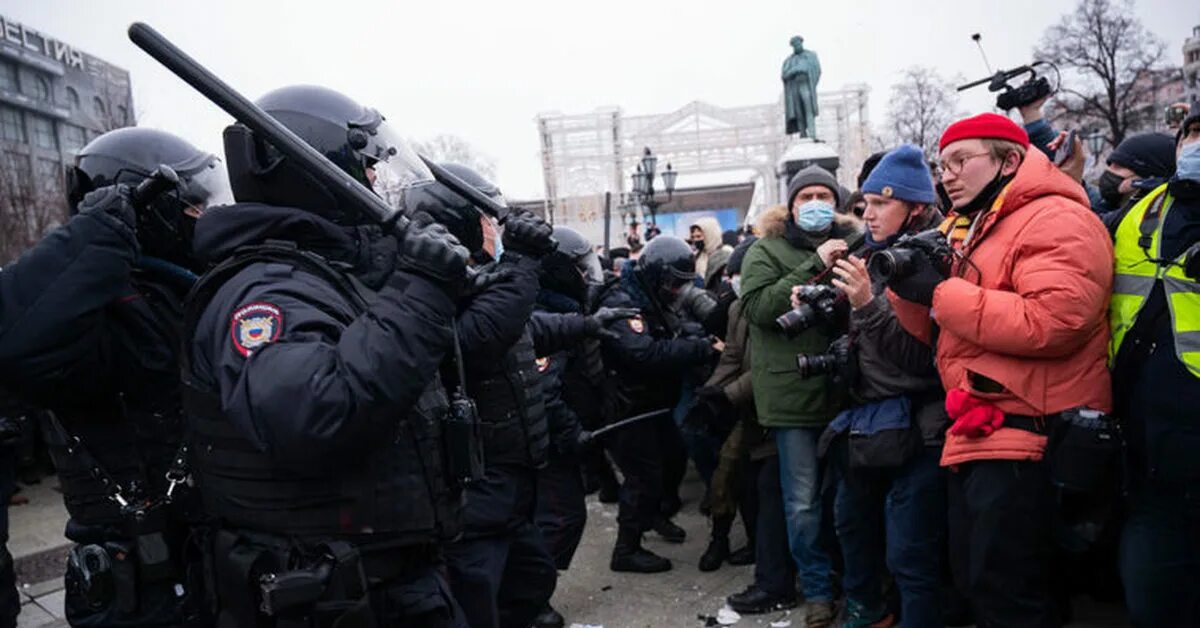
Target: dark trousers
[[650, 456], [1001, 540], [503, 580], [10, 602], [774, 569], [420, 600], [1160, 554], [561, 508], [897, 516]]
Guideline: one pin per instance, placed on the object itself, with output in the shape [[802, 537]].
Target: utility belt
[[141, 581], [1084, 448], [269, 581]]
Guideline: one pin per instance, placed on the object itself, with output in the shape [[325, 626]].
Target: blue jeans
[[904, 511], [799, 477], [1160, 555]]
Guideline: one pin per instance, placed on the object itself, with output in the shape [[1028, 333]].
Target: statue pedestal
[[802, 152]]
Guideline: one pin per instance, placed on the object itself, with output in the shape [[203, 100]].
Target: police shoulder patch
[[637, 325], [542, 364], [255, 325]]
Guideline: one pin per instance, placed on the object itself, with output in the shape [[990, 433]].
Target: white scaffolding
[[585, 156]]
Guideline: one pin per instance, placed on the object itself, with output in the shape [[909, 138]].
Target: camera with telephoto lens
[[817, 303], [832, 362], [899, 260]]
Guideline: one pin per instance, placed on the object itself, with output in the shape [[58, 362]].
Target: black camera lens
[[792, 322], [893, 263], [811, 365]]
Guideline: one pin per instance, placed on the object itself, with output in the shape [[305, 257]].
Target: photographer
[[1022, 339], [796, 247], [891, 487]]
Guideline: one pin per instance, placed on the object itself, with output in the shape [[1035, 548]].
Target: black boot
[[628, 555], [755, 601], [670, 532], [549, 618], [610, 491], [718, 547]]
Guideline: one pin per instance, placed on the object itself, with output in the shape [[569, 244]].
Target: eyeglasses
[[954, 165]]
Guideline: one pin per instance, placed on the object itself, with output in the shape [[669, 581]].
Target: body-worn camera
[[832, 362], [1032, 90], [899, 260], [817, 303]]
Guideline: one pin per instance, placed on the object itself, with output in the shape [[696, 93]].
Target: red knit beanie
[[984, 126]]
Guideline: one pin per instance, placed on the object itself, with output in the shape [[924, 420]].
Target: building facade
[[54, 98], [1191, 67]]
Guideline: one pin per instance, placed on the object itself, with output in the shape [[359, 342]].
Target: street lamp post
[[643, 194]]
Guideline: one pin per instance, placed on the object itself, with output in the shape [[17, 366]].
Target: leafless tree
[[447, 147], [29, 208], [923, 104], [1108, 60]]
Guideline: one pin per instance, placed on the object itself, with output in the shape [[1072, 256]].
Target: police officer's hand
[[918, 287], [594, 328], [529, 235], [428, 249], [112, 205]]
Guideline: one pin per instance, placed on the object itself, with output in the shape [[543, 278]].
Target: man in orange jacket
[[1021, 336]]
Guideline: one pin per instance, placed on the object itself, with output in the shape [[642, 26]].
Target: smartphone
[[1065, 150]]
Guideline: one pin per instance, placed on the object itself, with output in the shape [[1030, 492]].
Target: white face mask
[[736, 283]]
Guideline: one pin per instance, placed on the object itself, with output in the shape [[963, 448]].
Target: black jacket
[[92, 336], [330, 406], [650, 355]]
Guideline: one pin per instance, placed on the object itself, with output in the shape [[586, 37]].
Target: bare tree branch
[[923, 104], [1109, 59]]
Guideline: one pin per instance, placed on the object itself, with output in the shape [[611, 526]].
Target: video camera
[[1032, 90], [818, 302], [899, 260]]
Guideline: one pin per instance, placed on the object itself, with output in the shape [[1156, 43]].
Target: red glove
[[973, 417]]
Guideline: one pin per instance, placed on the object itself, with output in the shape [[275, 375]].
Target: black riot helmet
[[355, 138], [572, 266], [131, 154], [665, 267], [457, 214]]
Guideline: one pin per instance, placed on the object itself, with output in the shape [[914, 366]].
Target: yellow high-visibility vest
[[1137, 247]]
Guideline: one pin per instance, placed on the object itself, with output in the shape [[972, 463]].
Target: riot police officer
[[311, 371], [500, 571], [648, 360], [89, 330]]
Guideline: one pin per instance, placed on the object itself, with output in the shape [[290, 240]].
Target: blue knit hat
[[902, 174]]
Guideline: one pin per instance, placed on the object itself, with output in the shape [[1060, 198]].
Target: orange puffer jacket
[[1026, 312]]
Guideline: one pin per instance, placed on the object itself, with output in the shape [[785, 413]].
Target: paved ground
[[588, 595]]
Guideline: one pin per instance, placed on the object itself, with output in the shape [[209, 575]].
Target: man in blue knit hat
[[892, 486]]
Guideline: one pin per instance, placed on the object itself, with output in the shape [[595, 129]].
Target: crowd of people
[[963, 392]]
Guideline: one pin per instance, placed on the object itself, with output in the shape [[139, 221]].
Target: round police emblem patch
[[637, 325], [255, 325], [542, 364]]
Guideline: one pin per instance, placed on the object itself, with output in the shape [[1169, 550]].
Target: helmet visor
[[206, 187], [396, 166]]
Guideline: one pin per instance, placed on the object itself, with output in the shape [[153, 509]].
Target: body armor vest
[[512, 410], [398, 489]]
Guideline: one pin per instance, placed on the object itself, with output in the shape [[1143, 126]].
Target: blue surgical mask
[[1188, 164], [814, 216]]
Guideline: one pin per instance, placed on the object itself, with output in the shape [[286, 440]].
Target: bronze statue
[[801, 72]]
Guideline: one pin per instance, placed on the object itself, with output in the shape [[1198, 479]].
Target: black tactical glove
[[918, 287], [529, 235], [112, 206], [429, 250], [595, 326]]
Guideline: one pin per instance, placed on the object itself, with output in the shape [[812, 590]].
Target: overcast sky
[[484, 69]]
